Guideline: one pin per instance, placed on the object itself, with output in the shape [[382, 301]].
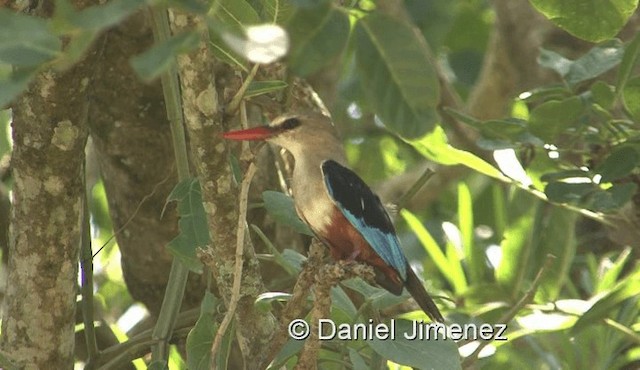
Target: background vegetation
[[527, 111]]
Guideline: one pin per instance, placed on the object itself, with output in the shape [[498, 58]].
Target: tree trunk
[[49, 134]]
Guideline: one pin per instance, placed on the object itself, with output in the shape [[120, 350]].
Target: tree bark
[[49, 135], [203, 101]]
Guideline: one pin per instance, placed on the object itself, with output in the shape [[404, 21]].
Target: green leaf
[[230, 17], [194, 231], [280, 207], [565, 174], [612, 271], [290, 349], [379, 298], [591, 20], [500, 134], [558, 238], [318, 34], [75, 50], [554, 61], [395, 70], [342, 301], [595, 62], [618, 164], [629, 60], [276, 11], [603, 94], [161, 56], [357, 361], [26, 40], [613, 198], [517, 242], [278, 257], [606, 302], [434, 146], [432, 248], [565, 192], [200, 337], [631, 97], [473, 254], [13, 84], [190, 6], [97, 17], [264, 300], [264, 87], [553, 117], [422, 354]]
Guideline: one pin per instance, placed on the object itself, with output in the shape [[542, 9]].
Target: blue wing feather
[[363, 209]]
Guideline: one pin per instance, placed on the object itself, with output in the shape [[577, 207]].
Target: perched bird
[[338, 206]]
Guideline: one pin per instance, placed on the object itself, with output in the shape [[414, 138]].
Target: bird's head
[[295, 132]]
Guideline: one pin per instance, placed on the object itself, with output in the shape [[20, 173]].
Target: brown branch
[[296, 304], [237, 273], [328, 276]]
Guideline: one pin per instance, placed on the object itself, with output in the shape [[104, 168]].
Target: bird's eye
[[290, 123]]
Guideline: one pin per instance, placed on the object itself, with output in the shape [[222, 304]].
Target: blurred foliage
[[566, 158]]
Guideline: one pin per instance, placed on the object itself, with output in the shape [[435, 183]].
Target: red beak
[[253, 134]]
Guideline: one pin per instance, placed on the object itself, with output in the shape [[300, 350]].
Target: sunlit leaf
[[435, 147], [591, 20], [433, 249], [395, 70], [612, 271], [606, 302], [474, 254], [263, 43], [230, 17], [264, 300], [517, 242]]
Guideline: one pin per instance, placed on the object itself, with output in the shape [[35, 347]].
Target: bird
[[337, 205]]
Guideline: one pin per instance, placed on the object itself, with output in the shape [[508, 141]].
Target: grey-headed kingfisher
[[338, 206]]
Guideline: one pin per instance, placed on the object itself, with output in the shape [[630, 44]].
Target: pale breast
[[311, 198]]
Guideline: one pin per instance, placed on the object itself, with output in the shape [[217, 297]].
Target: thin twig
[[237, 273], [239, 96], [413, 190], [507, 317], [86, 266], [133, 215]]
